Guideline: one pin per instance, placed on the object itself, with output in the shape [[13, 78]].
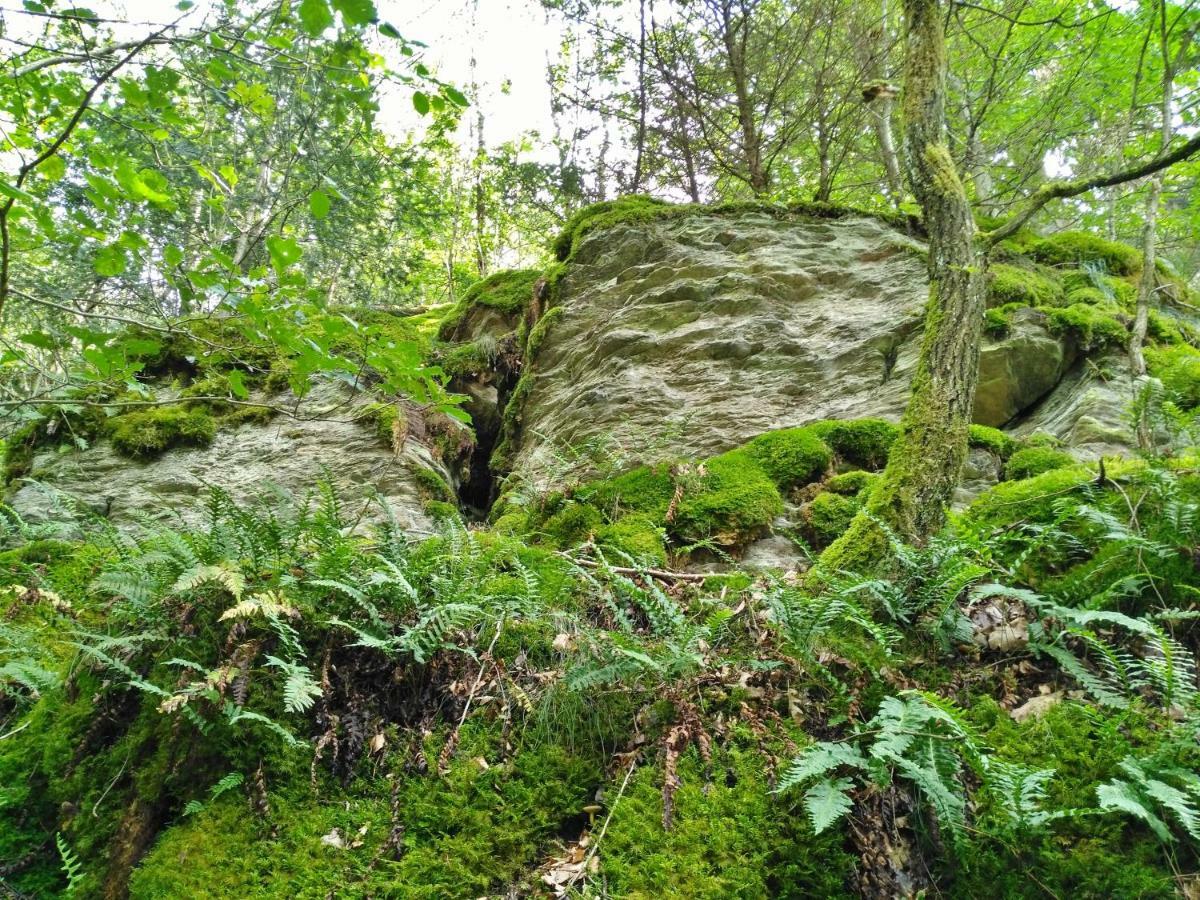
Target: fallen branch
[[660, 574]]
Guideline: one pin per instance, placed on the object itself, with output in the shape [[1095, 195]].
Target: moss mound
[[149, 433]]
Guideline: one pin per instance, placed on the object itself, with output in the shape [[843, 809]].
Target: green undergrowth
[[268, 703]]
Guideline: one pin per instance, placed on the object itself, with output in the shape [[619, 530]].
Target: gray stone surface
[[288, 454], [686, 337], [1016, 371]]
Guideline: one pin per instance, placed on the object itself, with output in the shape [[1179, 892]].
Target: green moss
[[791, 456], [606, 214], [1032, 461], [1030, 500], [636, 536], [1080, 248], [998, 322], [734, 502], [1091, 326], [1089, 856], [66, 426], [1023, 286], [539, 331], [469, 358], [431, 485], [148, 433], [383, 419], [247, 415], [851, 483], [509, 291], [475, 832], [829, 515], [645, 489], [729, 838], [864, 442], [992, 439], [574, 524], [1178, 368], [1165, 329]]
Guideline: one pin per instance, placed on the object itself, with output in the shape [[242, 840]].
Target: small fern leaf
[[827, 801]]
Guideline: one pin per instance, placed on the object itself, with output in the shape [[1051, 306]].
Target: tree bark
[[924, 464]]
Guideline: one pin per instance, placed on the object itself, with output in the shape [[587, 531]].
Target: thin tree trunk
[[756, 176], [641, 76], [925, 462]]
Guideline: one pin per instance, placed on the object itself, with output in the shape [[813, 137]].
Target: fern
[[1147, 793], [71, 866], [300, 691], [827, 801]]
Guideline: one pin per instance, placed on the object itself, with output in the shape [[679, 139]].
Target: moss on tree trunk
[[924, 464]]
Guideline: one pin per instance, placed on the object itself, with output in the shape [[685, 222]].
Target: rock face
[[685, 337], [679, 337], [291, 455]]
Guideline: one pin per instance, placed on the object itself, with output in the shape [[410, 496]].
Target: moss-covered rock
[[734, 501], [1081, 248], [1091, 326], [635, 536], [992, 439], [1023, 286], [1030, 461], [148, 433], [796, 456], [828, 515], [864, 442], [852, 482]]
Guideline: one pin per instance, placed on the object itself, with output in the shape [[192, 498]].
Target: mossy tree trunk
[[925, 462]]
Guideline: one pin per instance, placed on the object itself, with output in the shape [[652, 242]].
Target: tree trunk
[[925, 462], [640, 149], [735, 49]]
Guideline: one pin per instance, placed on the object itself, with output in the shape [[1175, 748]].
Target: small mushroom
[[591, 809]]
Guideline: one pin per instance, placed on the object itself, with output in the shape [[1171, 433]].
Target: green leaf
[[237, 384], [318, 202], [315, 17], [454, 95], [16, 193], [421, 102], [827, 801], [110, 261], [389, 30], [38, 339], [356, 12], [284, 251], [53, 169]]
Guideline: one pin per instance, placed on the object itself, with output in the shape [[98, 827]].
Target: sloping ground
[[279, 700]]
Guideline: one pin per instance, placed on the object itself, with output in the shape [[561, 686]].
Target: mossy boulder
[[1075, 249], [1030, 461], [148, 433], [1018, 370]]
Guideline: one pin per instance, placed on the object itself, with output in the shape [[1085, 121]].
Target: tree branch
[[1059, 190]]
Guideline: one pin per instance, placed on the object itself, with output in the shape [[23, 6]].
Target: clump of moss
[[645, 489], [1032, 461], [864, 442], [1012, 284], [636, 536], [791, 456], [998, 322], [734, 501], [1032, 499], [247, 415], [992, 439], [829, 515], [851, 483], [572, 525], [148, 433], [431, 485], [1178, 368], [509, 291], [607, 213], [1091, 326], [1081, 248], [729, 837], [383, 419], [538, 333], [64, 427]]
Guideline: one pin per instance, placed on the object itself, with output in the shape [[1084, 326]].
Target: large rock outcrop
[[689, 335], [288, 454]]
